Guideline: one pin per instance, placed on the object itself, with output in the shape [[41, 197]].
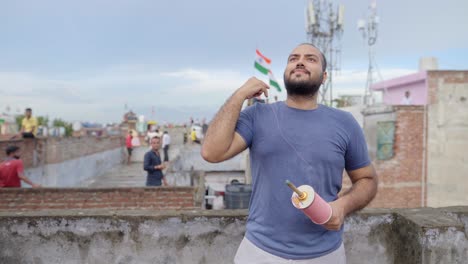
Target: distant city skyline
[[85, 60]]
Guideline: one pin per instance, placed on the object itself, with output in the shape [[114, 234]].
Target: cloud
[[202, 81], [360, 76], [354, 81], [20, 84], [100, 95]]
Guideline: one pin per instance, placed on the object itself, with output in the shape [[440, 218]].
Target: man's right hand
[[253, 88], [160, 167], [36, 186]]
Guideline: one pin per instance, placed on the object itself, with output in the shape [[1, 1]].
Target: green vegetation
[[44, 121], [61, 123], [19, 119]]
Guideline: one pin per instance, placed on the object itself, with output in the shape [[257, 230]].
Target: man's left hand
[[338, 215]]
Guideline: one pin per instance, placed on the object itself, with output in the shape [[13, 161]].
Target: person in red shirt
[[128, 143], [12, 170]]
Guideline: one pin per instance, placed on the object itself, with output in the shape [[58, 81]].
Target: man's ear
[[325, 76]]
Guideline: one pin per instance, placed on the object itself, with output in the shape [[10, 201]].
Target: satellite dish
[[76, 126]]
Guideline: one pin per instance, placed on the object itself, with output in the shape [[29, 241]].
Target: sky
[[90, 60]]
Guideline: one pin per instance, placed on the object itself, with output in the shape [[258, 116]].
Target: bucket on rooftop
[[237, 196]]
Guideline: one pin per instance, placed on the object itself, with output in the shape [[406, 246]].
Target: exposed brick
[[400, 177], [82, 198], [56, 150]]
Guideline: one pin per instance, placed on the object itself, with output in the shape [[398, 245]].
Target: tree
[[19, 120], [61, 123], [43, 121]]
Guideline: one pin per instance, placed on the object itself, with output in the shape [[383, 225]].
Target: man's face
[[155, 143], [303, 75], [27, 114]]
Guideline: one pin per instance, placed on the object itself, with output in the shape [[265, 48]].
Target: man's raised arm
[[221, 141]]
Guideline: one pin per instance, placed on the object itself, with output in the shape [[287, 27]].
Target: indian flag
[[262, 63], [273, 81]]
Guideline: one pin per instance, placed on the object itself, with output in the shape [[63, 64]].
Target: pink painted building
[[394, 90]]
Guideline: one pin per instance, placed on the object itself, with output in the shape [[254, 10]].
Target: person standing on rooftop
[[300, 140]]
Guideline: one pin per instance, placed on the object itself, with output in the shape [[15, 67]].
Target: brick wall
[[62, 149], [27, 150], [55, 150], [437, 79], [400, 177], [111, 199]]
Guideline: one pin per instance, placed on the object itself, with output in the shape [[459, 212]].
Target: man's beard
[[16, 156], [303, 87]]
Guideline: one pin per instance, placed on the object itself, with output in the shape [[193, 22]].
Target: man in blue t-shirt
[[153, 164], [302, 141]]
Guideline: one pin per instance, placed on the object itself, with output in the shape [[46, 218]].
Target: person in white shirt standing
[[149, 135], [406, 100], [166, 142]]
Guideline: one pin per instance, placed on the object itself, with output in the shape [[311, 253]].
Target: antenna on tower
[[369, 32], [324, 28]]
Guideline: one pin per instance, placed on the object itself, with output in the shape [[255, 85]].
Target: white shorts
[[248, 253]]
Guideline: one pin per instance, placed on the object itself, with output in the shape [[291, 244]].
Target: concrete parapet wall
[[447, 161], [111, 198], [372, 236], [190, 159], [72, 173], [43, 151]]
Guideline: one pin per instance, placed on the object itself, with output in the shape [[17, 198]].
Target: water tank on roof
[[237, 196], [428, 63]]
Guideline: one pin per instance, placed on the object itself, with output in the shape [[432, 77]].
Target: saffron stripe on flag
[[267, 60]]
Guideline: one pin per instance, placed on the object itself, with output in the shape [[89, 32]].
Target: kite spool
[[310, 203]]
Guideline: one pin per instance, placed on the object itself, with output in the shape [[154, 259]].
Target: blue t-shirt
[[310, 147], [155, 176]]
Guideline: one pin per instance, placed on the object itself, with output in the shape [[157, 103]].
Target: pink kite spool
[[317, 209]]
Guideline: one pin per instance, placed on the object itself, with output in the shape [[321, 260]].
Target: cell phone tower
[[369, 32], [324, 28]]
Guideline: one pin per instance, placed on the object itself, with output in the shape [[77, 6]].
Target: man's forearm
[[361, 194], [26, 180], [220, 133]]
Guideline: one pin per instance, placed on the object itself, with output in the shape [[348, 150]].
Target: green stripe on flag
[[275, 84], [261, 68]]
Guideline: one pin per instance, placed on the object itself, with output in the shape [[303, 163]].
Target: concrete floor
[[133, 175], [124, 175]]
